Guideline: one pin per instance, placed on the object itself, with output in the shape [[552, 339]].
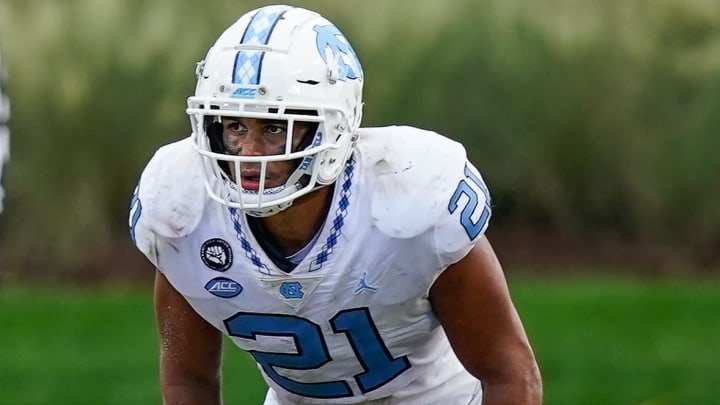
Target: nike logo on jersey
[[363, 285]]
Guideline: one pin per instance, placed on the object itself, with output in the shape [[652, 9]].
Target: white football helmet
[[280, 63]]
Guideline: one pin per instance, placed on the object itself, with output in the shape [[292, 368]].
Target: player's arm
[[190, 350], [472, 301]]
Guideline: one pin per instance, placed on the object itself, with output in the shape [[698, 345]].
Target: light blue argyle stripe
[[248, 64], [330, 242], [250, 252], [339, 220]]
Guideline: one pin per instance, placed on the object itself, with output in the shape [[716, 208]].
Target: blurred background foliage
[[592, 120]]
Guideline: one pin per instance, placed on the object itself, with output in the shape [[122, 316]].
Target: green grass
[[624, 341], [599, 341], [67, 346]]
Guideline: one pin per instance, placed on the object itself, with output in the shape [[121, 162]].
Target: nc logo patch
[[337, 53], [223, 287], [291, 290], [216, 254]]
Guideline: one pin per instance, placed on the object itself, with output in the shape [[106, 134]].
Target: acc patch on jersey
[[217, 254], [223, 287]]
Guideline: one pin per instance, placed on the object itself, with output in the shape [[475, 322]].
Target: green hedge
[[588, 118]]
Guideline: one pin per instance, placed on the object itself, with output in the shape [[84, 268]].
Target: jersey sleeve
[[465, 215], [140, 233], [169, 199], [425, 189]]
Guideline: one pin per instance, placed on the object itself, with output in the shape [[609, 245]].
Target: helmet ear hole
[[214, 133]]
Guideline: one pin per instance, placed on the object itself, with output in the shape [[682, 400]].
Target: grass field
[[599, 341]]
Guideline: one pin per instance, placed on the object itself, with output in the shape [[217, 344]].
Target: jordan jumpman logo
[[363, 285]]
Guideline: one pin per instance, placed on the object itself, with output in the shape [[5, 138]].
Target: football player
[[4, 130], [351, 263]]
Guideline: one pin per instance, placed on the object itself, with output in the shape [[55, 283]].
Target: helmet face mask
[[288, 66]]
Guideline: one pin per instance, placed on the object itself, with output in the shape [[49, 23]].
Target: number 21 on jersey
[[312, 351], [475, 213]]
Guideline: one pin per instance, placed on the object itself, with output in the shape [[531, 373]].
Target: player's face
[[256, 137]]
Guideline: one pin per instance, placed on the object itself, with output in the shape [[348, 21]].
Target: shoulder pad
[[171, 191], [414, 173]]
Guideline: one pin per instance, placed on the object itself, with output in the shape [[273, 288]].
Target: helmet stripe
[[248, 64]]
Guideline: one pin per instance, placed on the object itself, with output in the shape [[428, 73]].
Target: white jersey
[[351, 323]]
